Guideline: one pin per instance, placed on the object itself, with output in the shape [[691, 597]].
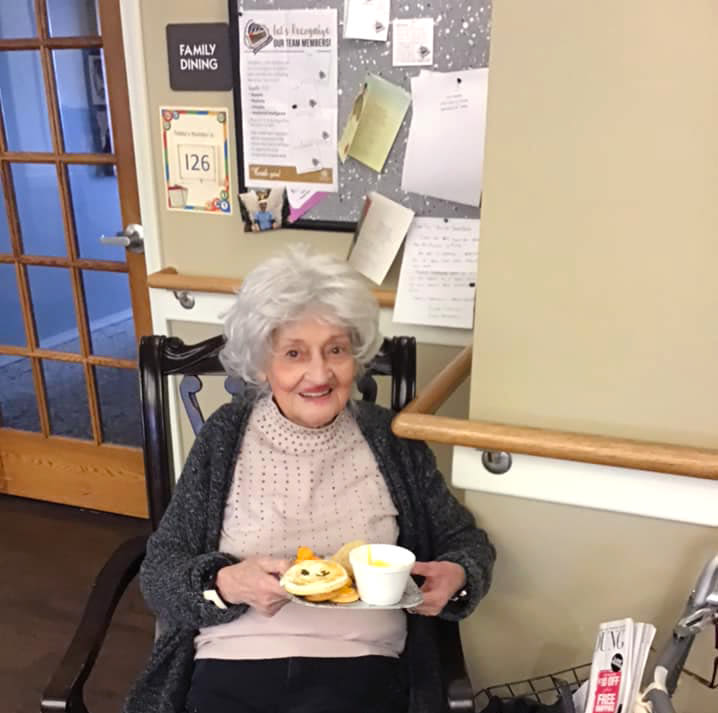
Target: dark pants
[[365, 684]]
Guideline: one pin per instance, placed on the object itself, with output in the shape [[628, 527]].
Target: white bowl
[[381, 586]]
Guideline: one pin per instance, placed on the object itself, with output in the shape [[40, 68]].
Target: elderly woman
[[297, 462]]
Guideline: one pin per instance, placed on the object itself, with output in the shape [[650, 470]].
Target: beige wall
[[596, 290], [596, 307]]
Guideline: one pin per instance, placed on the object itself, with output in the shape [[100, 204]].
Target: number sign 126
[[197, 163]]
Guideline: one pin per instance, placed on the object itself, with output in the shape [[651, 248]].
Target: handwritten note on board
[[379, 234], [437, 282]]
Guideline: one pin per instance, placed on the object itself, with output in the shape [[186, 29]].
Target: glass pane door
[[67, 339]]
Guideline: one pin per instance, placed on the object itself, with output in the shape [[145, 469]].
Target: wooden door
[[73, 308]]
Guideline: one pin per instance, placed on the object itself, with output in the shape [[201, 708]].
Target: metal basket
[[542, 689]]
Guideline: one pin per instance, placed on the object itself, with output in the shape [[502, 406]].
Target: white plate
[[412, 598]]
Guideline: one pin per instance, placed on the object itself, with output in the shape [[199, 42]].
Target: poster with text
[[195, 147], [288, 79]]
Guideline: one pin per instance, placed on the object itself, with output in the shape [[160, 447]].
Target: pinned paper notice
[[374, 122], [437, 282], [381, 229], [413, 42], [445, 150], [366, 19], [289, 101]]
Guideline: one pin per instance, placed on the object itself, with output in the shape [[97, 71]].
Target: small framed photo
[[263, 210]]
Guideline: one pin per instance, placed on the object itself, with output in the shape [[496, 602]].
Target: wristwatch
[[212, 595]]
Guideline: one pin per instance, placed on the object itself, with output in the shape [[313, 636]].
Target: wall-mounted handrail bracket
[[185, 298], [496, 462]]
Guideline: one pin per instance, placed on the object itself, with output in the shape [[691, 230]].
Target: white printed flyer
[[288, 79]]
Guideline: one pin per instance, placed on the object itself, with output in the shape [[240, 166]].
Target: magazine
[[619, 659]]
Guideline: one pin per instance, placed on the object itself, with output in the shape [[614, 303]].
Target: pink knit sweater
[[316, 487]]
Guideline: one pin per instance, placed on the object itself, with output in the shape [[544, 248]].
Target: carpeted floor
[[49, 556]]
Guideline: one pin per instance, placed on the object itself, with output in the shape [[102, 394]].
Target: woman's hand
[[442, 581], [252, 581]]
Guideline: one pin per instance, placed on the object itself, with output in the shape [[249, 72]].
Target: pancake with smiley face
[[314, 577]]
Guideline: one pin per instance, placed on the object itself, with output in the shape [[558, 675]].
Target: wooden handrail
[[603, 450], [443, 384], [417, 422], [169, 279]]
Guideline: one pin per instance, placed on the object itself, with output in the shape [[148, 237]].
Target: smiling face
[[311, 371]]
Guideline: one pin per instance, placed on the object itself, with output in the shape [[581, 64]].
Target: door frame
[[142, 127]]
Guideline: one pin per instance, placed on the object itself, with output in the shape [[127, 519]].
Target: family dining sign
[[199, 57]]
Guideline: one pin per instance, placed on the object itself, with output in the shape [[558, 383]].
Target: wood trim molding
[[53, 43], [417, 422], [57, 261], [73, 472], [72, 357], [58, 157], [169, 279]]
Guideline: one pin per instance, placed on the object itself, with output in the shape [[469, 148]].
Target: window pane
[[12, 329], [119, 396], [96, 209], [5, 245], [109, 312], [38, 209], [22, 94], [17, 19], [18, 406], [53, 308], [72, 18], [66, 399], [83, 102]]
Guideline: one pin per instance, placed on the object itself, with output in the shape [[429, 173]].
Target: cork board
[[461, 41]]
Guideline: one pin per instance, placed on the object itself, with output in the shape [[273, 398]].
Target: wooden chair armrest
[[459, 693], [65, 690]]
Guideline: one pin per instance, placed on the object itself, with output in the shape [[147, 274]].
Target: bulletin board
[[461, 41]]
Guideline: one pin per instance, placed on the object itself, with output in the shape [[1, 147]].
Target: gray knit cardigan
[[182, 558]]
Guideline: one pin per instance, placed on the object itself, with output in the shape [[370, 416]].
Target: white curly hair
[[288, 287]]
